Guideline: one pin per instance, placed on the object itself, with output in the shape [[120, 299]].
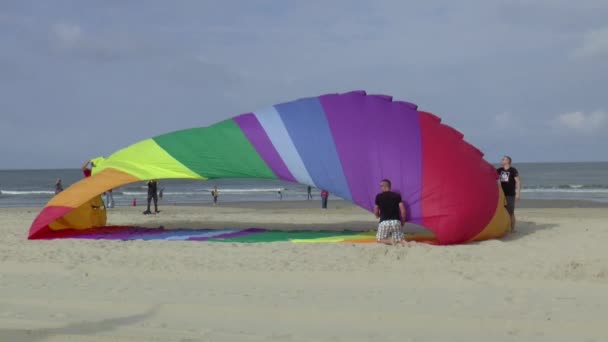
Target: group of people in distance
[[389, 207]]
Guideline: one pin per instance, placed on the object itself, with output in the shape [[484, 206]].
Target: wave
[[556, 190], [243, 191], [35, 192], [134, 187], [583, 186], [574, 188], [207, 191], [26, 192], [564, 188]]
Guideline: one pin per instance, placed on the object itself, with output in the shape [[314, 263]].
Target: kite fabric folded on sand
[[251, 235]]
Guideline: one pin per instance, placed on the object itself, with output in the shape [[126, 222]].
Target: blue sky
[[82, 79]]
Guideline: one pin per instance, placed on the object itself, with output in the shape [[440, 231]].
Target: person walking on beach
[[109, 199], [280, 194], [215, 195], [58, 186], [390, 210], [309, 194], [511, 185], [324, 198], [152, 195]]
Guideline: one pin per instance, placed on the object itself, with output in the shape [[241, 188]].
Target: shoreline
[[339, 203]]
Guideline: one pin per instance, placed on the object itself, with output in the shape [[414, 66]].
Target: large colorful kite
[[345, 143]]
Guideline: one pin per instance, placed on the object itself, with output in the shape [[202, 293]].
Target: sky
[[83, 79]]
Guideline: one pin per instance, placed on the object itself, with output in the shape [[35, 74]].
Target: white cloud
[[595, 43], [72, 39], [582, 122], [431, 53], [67, 34]]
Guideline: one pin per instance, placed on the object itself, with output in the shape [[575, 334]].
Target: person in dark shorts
[[511, 185], [391, 212], [152, 195]]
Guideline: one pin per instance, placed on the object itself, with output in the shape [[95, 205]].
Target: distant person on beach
[[309, 196], [109, 199], [86, 170], [152, 195], [511, 185], [324, 198], [215, 194], [160, 193], [58, 186], [390, 210], [280, 194]]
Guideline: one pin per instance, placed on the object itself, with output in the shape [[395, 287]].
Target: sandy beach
[[546, 282]]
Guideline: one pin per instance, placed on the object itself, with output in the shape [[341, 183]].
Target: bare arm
[[403, 213], [377, 211], [517, 187]]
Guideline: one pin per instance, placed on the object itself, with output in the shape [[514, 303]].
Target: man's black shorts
[[510, 204]]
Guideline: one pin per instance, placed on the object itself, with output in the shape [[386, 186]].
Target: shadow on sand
[[79, 328], [525, 228]]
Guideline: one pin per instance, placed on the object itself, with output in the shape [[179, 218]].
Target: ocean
[[33, 188]]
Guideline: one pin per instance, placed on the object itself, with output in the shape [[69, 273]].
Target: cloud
[[70, 39], [595, 44], [582, 122], [197, 62], [67, 34]]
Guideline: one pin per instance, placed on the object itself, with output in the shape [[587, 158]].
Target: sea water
[[33, 188]]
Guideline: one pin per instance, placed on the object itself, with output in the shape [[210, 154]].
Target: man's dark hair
[[387, 182], [509, 158]]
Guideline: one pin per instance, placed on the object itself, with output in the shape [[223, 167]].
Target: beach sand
[[546, 282]]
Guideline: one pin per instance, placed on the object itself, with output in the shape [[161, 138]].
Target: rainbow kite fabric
[[344, 143], [251, 235]]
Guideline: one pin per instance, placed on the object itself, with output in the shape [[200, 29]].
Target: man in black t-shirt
[[391, 212], [152, 195], [509, 180]]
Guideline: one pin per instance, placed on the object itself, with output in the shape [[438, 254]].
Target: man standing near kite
[[509, 180], [152, 195], [390, 210]]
